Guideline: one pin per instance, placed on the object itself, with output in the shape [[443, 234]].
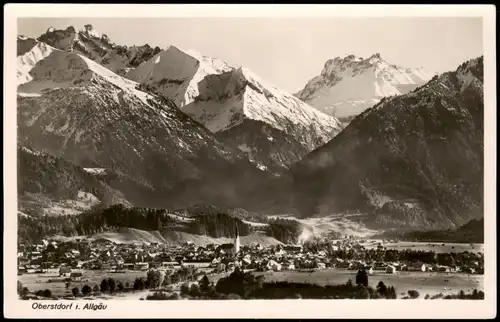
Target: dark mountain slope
[[411, 161]]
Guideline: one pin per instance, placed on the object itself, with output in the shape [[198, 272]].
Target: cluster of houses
[[70, 258]]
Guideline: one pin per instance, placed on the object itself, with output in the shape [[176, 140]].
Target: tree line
[[204, 221]]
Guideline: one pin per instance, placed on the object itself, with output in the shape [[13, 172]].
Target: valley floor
[[56, 285], [431, 283]]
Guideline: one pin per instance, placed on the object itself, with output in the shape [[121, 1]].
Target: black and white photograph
[[249, 158]]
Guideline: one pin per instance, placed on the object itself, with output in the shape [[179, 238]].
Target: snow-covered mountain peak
[[27, 61], [175, 73], [48, 68], [348, 86], [271, 126], [228, 98]]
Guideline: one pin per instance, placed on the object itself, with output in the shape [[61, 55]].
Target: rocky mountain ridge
[[76, 109], [348, 86], [414, 160]]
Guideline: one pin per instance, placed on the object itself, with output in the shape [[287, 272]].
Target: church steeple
[[236, 241]]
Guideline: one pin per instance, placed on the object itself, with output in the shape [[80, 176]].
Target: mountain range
[[101, 124], [414, 160], [348, 86]]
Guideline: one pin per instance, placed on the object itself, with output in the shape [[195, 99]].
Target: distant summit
[[88, 42], [413, 161], [175, 73], [348, 86]]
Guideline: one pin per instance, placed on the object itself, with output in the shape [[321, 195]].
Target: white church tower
[[236, 248]]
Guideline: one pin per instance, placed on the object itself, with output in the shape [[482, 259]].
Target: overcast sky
[[287, 52]]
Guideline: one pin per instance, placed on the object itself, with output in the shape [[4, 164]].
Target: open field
[[35, 282], [132, 235], [436, 247], [346, 224], [424, 282]]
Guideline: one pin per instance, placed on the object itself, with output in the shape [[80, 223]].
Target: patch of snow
[[29, 94], [30, 151], [256, 224], [26, 62], [22, 214], [245, 148], [99, 171], [261, 167]]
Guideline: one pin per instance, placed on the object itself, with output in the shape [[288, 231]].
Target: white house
[[416, 267], [274, 265], [390, 269]]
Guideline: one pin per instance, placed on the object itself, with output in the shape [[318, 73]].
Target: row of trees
[[471, 232], [284, 230], [218, 225], [43, 173], [250, 286], [213, 223], [393, 255]]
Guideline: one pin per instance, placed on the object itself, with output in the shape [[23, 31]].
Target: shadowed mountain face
[[73, 108], [411, 161]]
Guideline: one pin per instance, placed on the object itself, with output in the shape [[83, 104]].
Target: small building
[[246, 262], [141, 266], [76, 276], [321, 265], [417, 267], [274, 265], [64, 271], [128, 266], [380, 266], [390, 269]]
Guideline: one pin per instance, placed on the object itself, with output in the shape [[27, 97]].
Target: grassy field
[[424, 282], [436, 247], [35, 282]]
